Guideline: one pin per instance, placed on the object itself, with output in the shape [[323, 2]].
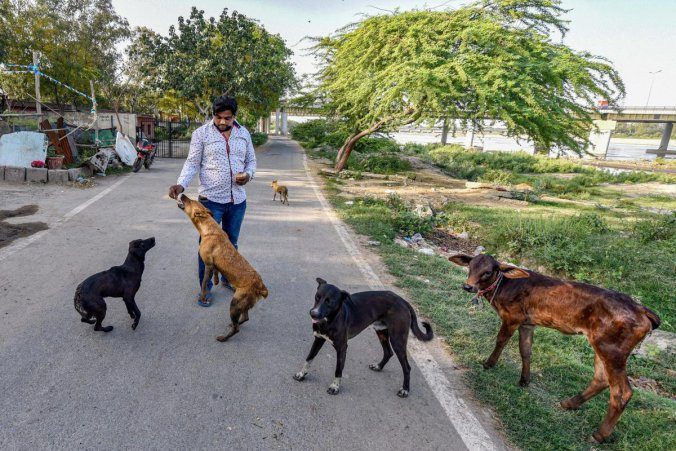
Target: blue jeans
[[230, 216]]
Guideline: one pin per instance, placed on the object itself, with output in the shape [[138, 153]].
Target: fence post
[[171, 150], [38, 102]]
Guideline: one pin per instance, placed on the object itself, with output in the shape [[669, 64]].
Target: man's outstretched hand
[[175, 190]]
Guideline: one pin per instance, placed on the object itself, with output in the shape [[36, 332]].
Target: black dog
[[338, 316], [117, 282]]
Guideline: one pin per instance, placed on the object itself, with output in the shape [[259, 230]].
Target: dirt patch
[[447, 242], [642, 189], [10, 232], [651, 385]]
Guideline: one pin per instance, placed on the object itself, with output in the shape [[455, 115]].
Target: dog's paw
[[299, 376], [570, 404], [598, 437], [402, 393], [488, 364], [106, 329], [333, 389], [134, 325], [524, 382], [375, 367]]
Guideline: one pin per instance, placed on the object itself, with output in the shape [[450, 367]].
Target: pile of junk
[[60, 144]]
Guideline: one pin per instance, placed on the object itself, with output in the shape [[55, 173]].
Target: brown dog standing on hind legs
[[281, 190], [220, 256], [612, 322]]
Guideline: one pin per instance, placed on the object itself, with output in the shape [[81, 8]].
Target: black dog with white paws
[[338, 316], [117, 282]]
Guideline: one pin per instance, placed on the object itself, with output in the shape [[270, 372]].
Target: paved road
[[169, 384]]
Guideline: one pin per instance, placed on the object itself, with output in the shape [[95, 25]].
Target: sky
[[633, 34]]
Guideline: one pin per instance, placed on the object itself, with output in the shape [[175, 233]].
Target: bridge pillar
[[285, 118], [664, 143], [600, 138]]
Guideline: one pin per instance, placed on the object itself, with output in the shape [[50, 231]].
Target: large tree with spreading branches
[[202, 58], [495, 59]]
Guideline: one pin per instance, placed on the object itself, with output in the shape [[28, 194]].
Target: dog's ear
[[320, 281], [460, 259], [211, 213], [512, 272]]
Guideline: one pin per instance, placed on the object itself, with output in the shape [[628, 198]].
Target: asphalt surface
[[170, 384]]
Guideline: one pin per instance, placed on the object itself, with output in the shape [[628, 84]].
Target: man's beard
[[224, 128]]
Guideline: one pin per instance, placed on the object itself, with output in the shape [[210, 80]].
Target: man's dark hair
[[225, 103]]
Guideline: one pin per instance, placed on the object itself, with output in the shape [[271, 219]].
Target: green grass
[[510, 168], [561, 366], [634, 257], [368, 159], [120, 170]]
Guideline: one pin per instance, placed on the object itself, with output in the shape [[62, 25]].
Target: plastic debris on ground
[[125, 149]]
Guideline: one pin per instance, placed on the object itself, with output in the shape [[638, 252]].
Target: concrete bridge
[[606, 120], [281, 117]]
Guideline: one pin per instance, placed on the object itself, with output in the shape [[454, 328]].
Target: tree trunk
[[540, 148], [350, 142], [444, 132], [116, 105], [203, 111], [346, 150], [57, 98]]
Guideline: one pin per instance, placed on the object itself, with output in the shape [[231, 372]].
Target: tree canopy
[[494, 59], [202, 58], [76, 40]]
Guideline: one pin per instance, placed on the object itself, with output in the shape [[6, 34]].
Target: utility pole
[[38, 103], [652, 80]]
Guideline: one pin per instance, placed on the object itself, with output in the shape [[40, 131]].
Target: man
[[222, 152]]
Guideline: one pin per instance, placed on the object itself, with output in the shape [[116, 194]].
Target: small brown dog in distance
[[220, 256], [612, 322], [281, 190]]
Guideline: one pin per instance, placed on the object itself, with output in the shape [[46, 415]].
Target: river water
[[619, 148]]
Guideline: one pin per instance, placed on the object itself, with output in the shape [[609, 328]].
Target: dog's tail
[[428, 335], [652, 316], [263, 291]]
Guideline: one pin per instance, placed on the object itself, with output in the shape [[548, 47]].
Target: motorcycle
[[145, 154]]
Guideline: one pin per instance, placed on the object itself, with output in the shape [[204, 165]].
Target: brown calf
[[612, 322]]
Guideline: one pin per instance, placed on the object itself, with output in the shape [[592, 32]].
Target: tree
[[5, 20], [204, 58], [494, 59], [76, 40]]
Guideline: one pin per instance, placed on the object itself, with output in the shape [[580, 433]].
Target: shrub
[[660, 229], [311, 132], [376, 145], [497, 176], [258, 138], [378, 163]]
